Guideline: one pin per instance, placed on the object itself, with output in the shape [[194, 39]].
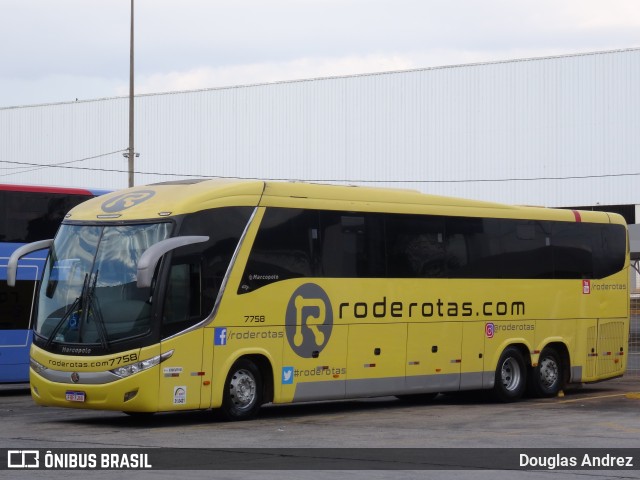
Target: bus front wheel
[[242, 391], [511, 376], [546, 378]]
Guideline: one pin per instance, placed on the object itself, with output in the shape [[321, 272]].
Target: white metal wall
[[475, 131]]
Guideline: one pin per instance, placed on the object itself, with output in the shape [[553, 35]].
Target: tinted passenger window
[[587, 250], [31, 216], [284, 248], [473, 247], [612, 245], [297, 243], [294, 243], [15, 305], [351, 245], [197, 271], [573, 250], [526, 249], [416, 246]]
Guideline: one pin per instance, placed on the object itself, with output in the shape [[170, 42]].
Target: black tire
[[242, 391], [511, 376], [547, 379]]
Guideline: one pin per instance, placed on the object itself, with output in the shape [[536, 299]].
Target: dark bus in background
[[27, 214]]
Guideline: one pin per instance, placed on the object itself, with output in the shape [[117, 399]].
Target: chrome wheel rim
[[549, 372], [510, 374], [243, 389]]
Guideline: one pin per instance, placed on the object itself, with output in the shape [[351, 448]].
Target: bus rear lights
[[132, 369], [129, 395]]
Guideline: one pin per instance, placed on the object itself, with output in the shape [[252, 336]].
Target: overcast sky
[[59, 50]]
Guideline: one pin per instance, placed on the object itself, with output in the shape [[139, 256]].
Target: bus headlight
[[36, 366], [132, 369]]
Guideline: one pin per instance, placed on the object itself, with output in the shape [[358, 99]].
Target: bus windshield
[[88, 292]]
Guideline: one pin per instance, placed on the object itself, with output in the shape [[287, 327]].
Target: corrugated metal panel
[[62, 134], [474, 131]]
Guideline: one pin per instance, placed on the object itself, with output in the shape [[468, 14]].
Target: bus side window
[[610, 249], [572, 250], [352, 245], [283, 248], [457, 255], [339, 248], [15, 303], [224, 227], [415, 246], [182, 306], [463, 244], [525, 247], [31, 216]]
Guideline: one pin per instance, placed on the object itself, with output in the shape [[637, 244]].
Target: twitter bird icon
[[287, 375]]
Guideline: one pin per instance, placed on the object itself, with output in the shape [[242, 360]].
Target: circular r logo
[[309, 320], [126, 200]]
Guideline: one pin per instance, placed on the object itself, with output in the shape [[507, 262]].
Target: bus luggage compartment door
[[612, 347]]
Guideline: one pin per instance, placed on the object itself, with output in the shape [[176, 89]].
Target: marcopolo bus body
[[232, 294], [27, 214]]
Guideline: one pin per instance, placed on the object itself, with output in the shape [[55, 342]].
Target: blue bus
[[27, 214]]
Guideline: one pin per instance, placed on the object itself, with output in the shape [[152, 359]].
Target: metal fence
[[633, 362]]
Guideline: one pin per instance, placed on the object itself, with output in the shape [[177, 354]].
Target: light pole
[[130, 155]]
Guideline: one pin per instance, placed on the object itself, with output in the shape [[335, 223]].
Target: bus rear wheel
[[242, 391], [511, 376], [546, 379]]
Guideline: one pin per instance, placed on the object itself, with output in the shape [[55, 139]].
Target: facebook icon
[[220, 336]]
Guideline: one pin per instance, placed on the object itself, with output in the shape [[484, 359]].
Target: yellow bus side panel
[[434, 357], [324, 376], [473, 358], [376, 359], [263, 342], [182, 375]]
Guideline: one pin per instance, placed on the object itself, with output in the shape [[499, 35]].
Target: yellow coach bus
[[233, 294]]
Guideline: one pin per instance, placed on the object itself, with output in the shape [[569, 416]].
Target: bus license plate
[[73, 396]]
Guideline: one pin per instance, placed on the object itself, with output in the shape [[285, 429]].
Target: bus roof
[[175, 198]]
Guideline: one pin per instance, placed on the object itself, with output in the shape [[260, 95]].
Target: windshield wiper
[[93, 309], [75, 307], [86, 306]]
